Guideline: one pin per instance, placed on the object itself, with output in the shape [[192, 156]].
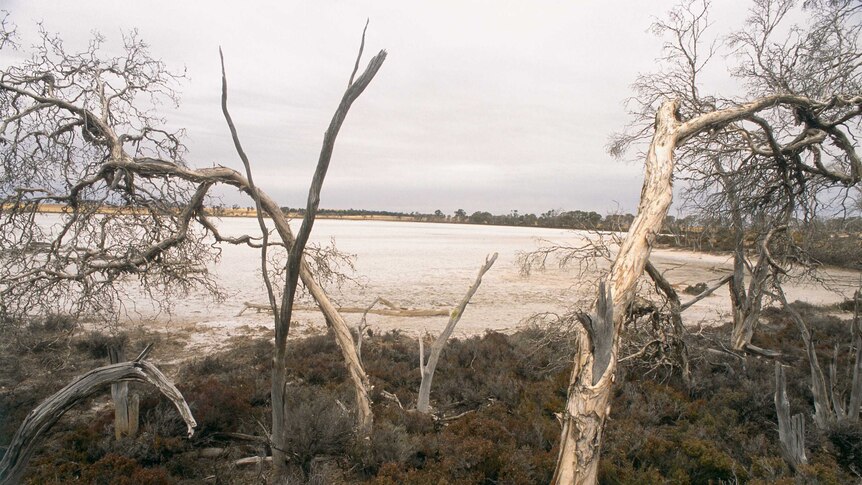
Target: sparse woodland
[[621, 392]]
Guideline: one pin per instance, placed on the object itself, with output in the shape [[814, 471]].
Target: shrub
[[217, 406], [58, 322], [118, 470], [316, 425], [97, 344], [695, 289], [846, 439]]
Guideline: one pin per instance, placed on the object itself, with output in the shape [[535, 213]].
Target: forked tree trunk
[[427, 367], [745, 303], [745, 322], [587, 406], [40, 420], [297, 270]]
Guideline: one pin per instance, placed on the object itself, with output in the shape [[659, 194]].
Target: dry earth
[[504, 302]]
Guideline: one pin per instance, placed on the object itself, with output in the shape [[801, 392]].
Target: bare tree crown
[[75, 128]]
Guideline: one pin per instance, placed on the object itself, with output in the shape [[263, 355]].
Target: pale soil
[[504, 302]]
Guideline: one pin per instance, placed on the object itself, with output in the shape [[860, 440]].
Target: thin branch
[[705, 293], [255, 193]]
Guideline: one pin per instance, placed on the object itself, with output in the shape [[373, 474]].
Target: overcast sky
[[480, 105]]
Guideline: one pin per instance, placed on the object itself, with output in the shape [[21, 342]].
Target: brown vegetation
[[496, 398]]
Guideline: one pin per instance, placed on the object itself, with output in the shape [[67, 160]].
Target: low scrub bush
[[495, 398], [98, 344]]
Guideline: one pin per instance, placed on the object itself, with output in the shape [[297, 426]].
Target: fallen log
[[252, 460], [44, 416], [388, 312]]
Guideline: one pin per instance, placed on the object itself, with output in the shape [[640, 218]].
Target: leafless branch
[[44, 416]]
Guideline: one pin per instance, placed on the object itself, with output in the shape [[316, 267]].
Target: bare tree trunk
[[427, 368], [746, 306], [744, 324], [672, 297], [125, 410], [595, 362], [791, 431], [352, 359], [297, 269], [44, 416], [746, 303], [824, 414]]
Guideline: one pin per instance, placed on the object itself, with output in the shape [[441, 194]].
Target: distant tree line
[[835, 241], [553, 218]]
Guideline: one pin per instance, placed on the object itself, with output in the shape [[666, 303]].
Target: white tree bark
[[588, 405], [427, 367]]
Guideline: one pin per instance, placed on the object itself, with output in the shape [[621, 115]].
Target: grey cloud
[[481, 105]]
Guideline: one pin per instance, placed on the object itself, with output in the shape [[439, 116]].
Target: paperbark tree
[[81, 130], [814, 125], [778, 167], [588, 405]]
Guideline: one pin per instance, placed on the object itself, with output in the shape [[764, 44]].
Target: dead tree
[[829, 406], [297, 268], [675, 311], [428, 365], [791, 430], [40, 420], [600, 246], [747, 300], [590, 384], [81, 130], [125, 408], [779, 166]]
